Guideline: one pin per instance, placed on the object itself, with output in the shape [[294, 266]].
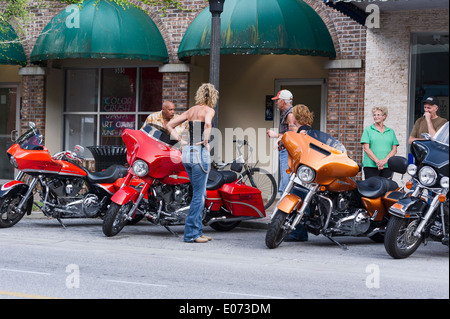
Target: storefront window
[[81, 90], [101, 103], [151, 92], [429, 73]]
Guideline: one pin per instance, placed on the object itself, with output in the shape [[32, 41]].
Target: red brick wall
[[176, 89], [33, 102], [345, 102]]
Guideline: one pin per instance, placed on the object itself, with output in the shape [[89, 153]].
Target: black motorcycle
[[424, 214]]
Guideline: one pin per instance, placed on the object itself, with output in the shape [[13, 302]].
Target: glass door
[[429, 73], [8, 128]]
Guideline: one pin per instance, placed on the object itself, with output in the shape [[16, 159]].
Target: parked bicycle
[[250, 174]]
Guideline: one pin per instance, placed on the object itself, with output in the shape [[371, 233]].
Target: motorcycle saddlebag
[[243, 200]]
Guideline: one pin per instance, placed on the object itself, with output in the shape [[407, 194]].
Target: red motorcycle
[[66, 189], [166, 195]]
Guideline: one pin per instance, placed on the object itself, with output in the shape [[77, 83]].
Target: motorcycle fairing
[[162, 159], [34, 161], [176, 178], [328, 162], [40, 161]]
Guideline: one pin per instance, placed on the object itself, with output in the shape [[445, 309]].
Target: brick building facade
[[349, 93]]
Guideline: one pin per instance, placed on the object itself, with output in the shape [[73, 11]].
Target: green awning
[[261, 27], [11, 50], [104, 30]]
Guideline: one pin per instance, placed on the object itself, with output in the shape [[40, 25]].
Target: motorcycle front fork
[[135, 206], [312, 189], [425, 219], [28, 193]]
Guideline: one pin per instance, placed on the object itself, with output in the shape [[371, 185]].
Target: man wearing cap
[[287, 123], [429, 123]]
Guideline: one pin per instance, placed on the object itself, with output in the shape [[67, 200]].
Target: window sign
[[102, 102]]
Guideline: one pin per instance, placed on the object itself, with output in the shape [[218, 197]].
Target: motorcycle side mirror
[[32, 125], [14, 135]]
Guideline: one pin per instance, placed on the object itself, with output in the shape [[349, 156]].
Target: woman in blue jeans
[[195, 156]]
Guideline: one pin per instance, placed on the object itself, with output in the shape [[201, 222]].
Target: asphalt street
[[40, 259]]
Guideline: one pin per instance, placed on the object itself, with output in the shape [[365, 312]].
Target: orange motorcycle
[[323, 196]]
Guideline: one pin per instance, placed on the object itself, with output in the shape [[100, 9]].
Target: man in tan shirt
[[429, 123], [164, 116]]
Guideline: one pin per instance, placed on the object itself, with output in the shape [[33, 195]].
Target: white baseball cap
[[284, 95]]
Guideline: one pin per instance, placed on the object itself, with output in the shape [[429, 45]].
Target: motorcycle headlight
[[306, 174], [140, 168], [412, 169], [427, 176], [444, 182], [13, 162]]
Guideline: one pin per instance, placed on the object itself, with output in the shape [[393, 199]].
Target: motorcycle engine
[[67, 190], [72, 199], [176, 199], [347, 219]]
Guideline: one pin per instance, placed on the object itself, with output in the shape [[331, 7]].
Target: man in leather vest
[[288, 122]]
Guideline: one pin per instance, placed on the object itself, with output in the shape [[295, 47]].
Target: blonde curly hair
[[207, 95], [303, 115]]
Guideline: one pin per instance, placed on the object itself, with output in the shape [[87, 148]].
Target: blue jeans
[[284, 165], [196, 160]]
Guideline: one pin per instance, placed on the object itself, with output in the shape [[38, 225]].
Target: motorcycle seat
[[375, 186], [109, 175], [218, 178]]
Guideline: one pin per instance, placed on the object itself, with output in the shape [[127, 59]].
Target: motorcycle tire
[[8, 217], [277, 231], [224, 226], [114, 220], [399, 239]]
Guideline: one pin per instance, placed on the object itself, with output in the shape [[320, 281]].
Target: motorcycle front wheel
[[115, 218], [278, 228], [8, 214], [399, 239]]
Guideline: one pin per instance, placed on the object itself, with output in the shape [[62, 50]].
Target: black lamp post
[[216, 8]]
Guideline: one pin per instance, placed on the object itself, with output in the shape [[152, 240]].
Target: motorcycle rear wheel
[[224, 226], [8, 216], [399, 239], [278, 230], [114, 220]]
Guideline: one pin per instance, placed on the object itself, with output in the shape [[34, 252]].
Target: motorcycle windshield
[[159, 133], [327, 140], [31, 140], [442, 135], [434, 151]]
